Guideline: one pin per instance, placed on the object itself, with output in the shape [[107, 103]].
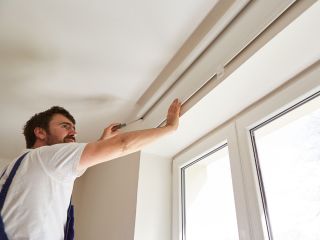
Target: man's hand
[[173, 114], [110, 132]]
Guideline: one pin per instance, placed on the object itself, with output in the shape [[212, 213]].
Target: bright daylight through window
[[209, 210], [288, 154]]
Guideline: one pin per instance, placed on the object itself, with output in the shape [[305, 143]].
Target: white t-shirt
[[38, 198]]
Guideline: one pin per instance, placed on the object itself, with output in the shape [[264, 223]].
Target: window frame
[[223, 135], [301, 87], [236, 132]]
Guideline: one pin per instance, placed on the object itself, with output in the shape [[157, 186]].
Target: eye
[[66, 126]]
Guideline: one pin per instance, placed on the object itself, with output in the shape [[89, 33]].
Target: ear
[[40, 133]]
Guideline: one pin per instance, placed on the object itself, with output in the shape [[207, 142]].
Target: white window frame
[[236, 132], [301, 87], [225, 134]]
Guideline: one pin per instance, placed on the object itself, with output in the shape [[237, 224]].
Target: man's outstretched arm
[[125, 143]]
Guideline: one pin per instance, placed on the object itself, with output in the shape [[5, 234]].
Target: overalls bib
[[69, 228]]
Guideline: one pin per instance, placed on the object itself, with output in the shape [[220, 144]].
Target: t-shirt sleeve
[[60, 161]]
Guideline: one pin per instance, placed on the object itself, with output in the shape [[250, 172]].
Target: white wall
[[124, 199], [105, 200], [76, 201], [153, 216]]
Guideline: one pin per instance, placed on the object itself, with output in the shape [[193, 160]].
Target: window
[[209, 210], [287, 153], [257, 177]]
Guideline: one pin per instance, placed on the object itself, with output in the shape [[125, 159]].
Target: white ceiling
[[96, 58]]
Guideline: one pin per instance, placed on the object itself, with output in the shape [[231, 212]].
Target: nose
[[73, 132]]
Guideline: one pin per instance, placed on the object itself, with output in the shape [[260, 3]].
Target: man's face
[[61, 130]]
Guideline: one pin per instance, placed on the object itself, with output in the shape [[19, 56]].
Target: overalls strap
[[69, 228], [4, 192]]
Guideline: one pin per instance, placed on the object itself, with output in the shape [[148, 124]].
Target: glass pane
[[209, 201], [289, 157]]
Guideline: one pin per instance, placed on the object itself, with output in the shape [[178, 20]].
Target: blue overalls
[[69, 228]]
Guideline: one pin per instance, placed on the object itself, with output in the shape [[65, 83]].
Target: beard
[[51, 139], [70, 138]]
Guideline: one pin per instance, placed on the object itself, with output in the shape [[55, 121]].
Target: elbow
[[127, 143], [124, 144]]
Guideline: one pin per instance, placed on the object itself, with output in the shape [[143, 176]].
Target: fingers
[[175, 107], [115, 127], [110, 131], [173, 114]]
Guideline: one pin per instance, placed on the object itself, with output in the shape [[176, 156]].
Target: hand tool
[[122, 125]]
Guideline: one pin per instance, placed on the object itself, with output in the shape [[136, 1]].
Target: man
[[37, 203]]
